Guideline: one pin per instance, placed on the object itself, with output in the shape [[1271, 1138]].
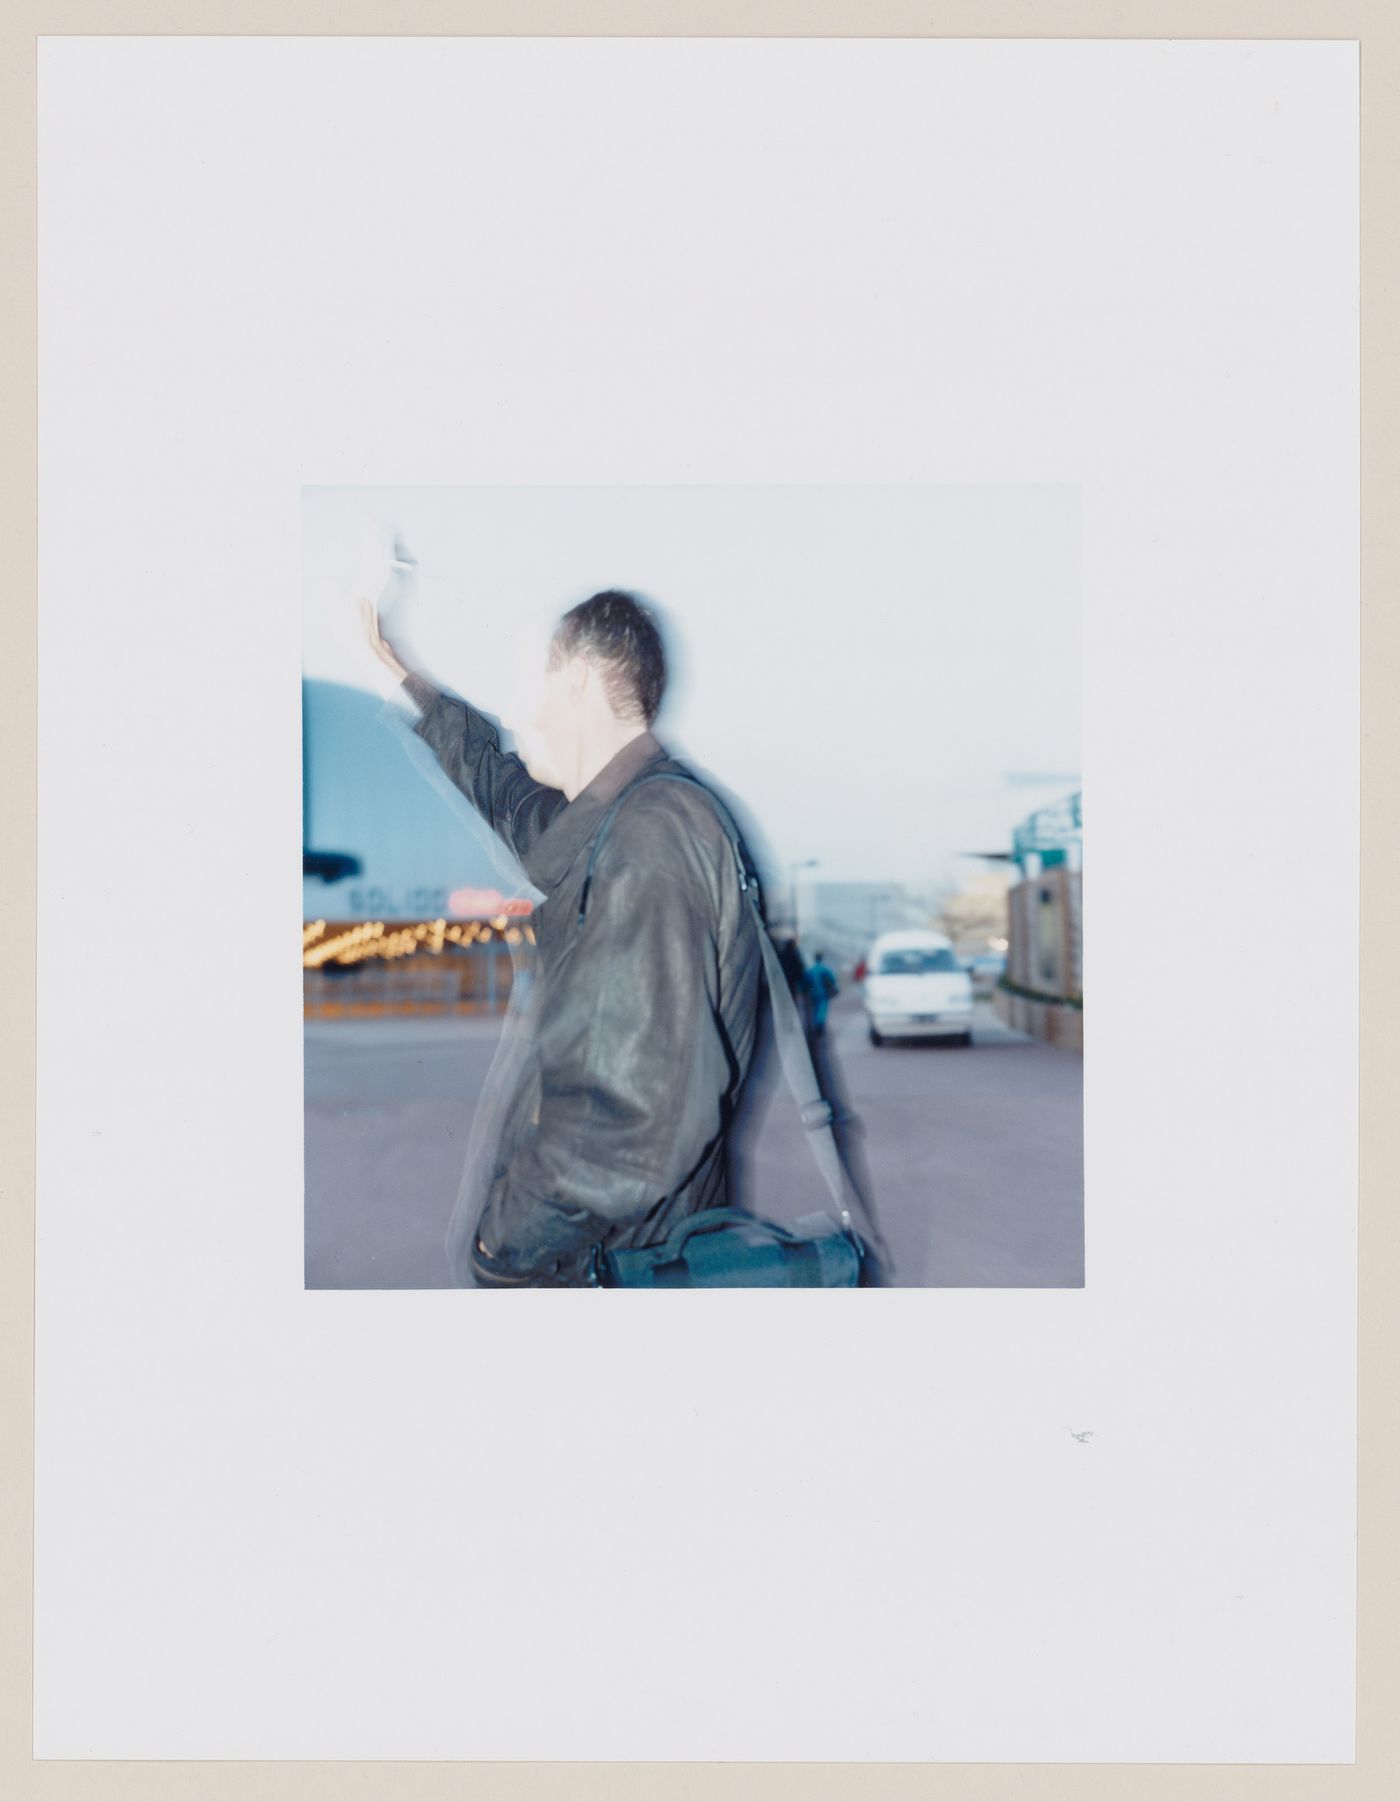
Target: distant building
[[1051, 837], [408, 900], [394, 846], [1045, 958], [841, 918]]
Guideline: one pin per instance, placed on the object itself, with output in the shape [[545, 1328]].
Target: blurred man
[[790, 957], [646, 998], [822, 988]]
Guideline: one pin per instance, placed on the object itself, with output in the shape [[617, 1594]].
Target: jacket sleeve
[[496, 782], [634, 1070]]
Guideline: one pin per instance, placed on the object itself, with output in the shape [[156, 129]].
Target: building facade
[[1044, 987]]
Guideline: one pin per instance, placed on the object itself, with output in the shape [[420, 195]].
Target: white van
[[916, 988]]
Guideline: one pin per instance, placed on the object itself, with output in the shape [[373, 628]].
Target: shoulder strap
[[813, 1107]]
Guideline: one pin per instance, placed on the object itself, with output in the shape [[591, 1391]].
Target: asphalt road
[[974, 1156]]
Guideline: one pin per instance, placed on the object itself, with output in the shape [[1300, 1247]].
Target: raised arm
[[468, 748]]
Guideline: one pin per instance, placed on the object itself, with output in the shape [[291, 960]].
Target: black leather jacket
[[643, 1016]]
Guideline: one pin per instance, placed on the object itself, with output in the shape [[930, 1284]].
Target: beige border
[[1376, 23]]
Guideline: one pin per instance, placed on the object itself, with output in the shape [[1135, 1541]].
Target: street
[[974, 1156]]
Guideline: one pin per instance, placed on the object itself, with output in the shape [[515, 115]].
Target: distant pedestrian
[[790, 957], [822, 987]]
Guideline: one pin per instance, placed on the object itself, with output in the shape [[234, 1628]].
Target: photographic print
[[721, 929], [694, 539]]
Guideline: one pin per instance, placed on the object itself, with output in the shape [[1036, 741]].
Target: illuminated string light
[[375, 939], [343, 947]]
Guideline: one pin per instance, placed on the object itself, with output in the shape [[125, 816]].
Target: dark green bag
[[725, 1248]]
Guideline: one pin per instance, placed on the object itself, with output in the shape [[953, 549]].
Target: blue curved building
[[384, 835]]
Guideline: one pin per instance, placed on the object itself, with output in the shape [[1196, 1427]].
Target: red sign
[[485, 904]]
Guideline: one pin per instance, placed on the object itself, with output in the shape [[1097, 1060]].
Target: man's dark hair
[[618, 634]]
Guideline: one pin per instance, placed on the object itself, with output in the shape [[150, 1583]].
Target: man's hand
[[380, 645]]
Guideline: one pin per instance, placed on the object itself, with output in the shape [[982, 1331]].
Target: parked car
[[915, 988], [986, 971]]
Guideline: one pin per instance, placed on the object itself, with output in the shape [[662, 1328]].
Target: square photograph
[[692, 887]]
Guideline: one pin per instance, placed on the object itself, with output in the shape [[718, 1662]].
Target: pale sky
[[861, 667]]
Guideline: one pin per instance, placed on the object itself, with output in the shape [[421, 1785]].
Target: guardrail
[[478, 980]]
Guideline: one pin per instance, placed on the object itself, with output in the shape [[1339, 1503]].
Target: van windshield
[[916, 961]]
